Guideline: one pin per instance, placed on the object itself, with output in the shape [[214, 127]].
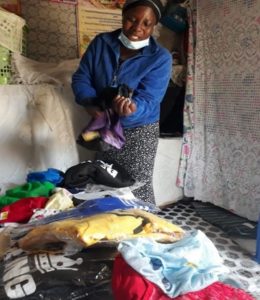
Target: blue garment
[[96, 206], [148, 74], [85, 209], [52, 175], [188, 265]]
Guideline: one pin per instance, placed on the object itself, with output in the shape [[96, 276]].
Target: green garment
[[30, 189]]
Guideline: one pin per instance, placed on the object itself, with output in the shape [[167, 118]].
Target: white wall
[[165, 171]]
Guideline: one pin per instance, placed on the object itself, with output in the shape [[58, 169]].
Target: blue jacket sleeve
[[152, 88], [82, 84]]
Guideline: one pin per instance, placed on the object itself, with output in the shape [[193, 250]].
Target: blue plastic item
[[97, 206], [175, 18], [52, 175], [87, 208]]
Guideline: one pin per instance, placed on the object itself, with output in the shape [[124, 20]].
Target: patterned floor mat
[[232, 224], [243, 269]]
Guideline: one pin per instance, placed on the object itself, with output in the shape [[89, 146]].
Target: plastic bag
[[96, 206], [75, 234], [94, 191], [86, 208], [86, 275]]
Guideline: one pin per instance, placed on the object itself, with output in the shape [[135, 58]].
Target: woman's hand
[[123, 106], [93, 111]]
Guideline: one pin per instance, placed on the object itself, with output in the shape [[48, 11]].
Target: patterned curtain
[[188, 113], [224, 163]]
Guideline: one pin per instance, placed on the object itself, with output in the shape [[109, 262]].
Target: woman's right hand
[[123, 106]]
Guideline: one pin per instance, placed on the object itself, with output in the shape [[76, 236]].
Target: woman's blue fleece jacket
[[147, 73]]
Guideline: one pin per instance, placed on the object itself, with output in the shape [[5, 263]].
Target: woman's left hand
[[123, 106]]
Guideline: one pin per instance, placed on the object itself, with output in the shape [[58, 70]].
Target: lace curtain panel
[[188, 109], [223, 165]]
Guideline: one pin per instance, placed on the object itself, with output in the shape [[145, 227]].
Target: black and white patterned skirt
[[137, 157]]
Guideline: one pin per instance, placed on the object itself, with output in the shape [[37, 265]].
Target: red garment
[[217, 291], [21, 210], [127, 284]]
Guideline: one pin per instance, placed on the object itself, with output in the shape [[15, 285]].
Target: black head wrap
[[156, 6]]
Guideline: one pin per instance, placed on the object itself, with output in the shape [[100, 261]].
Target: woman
[[129, 56]]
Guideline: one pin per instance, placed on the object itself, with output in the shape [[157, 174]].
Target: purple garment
[[109, 127]]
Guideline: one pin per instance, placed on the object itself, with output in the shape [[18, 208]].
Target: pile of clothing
[[81, 234]]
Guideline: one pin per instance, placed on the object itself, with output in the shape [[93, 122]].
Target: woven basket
[[12, 39], [11, 31], [5, 65]]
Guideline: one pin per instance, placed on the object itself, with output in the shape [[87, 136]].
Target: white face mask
[[134, 45]]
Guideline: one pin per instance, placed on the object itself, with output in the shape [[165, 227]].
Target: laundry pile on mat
[[81, 234]]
